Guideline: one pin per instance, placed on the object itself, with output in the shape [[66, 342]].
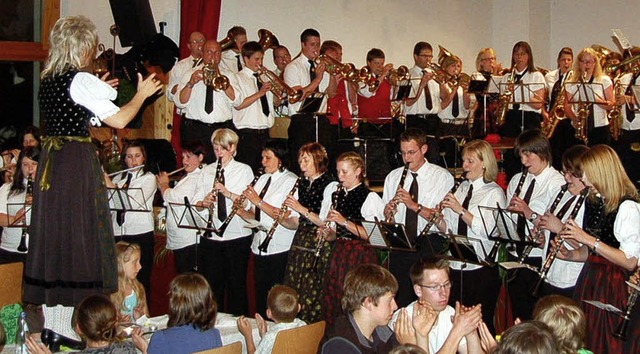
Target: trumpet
[[631, 63], [366, 76], [211, 76], [506, 98], [278, 87], [390, 217], [217, 179], [439, 75], [438, 211], [236, 206], [335, 196], [615, 118], [463, 80], [334, 67], [264, 246], [22, 247], [553, 253]]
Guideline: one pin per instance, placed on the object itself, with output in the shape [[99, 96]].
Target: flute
[[125, 170], [175, 171]]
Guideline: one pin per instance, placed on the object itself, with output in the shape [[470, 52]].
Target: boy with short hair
[[282, 308]]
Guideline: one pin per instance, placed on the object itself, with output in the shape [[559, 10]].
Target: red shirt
[[376, 106]]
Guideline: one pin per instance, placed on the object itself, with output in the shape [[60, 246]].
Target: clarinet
[[318, 250], [534, 238], [544, 270], [438, 210], [403, 177], [237, 205], [207, 232], [264, 246], [621, 331], [496, 245], [22, 247]]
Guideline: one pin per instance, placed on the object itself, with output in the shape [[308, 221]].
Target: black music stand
[[187, 216], [311, 106], [129, 199], [22, 212], [523, 93], [387, 235], [505, 231], [635, 89]]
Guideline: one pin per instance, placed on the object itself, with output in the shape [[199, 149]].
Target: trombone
[[334, 67]]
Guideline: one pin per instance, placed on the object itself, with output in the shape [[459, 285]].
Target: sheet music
[[606, 307], [580, 92], [375, 236]]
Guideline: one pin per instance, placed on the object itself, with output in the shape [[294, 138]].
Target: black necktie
[[555, 91], [238, 62], [427, 94], [222, 203], [120, 213], [455, 109], [629, 92], [517, 79], [262, 193], [561, 214], [462, 226], [263, 99], [411, 217], [312, 70], [527, 196], [208, 100], [195, 62]]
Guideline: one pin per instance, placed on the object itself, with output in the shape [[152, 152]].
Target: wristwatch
[[533, 217]]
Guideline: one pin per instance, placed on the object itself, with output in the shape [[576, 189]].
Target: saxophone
[[582, 116], [615, 118], [506, 98], [264, 246], [557, 112]]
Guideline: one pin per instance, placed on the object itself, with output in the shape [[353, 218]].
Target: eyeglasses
[[437, 288], [198, 41], [588, 62], [425, 56], [410, 152]]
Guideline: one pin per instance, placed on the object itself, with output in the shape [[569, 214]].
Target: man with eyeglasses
[[423, 103], [413, 203], [452, 330]]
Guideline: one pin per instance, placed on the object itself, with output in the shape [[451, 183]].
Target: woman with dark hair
[[271, 248], [527, 86], [71, 251], [609, 244], [192, 316], [137, 226], [17, 192], [313, 161], [182, 241]]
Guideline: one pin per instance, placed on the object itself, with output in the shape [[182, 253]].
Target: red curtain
[[195, 15]]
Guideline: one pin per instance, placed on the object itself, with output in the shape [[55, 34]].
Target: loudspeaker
[[135, 20]]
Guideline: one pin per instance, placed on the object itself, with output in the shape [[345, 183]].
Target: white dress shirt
[[141, 192], [237, 177], [370, 209], [252, 116], [420, 106], [564, 274], [548, 183], [484, 194], [434, 182], [532, 82], [279, 188], [194, 107], [446, 114], [576, 92], [635, 125], [178, 237], [181, 68], [625, 228], [94, 94], [296, 73], [229, 62]]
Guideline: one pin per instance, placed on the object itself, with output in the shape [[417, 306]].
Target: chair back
[[11, 283], [233, 348], [301, 340]]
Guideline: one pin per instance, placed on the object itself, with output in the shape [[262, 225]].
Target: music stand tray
[[130, 199], [389, 236], [403, 92], [584, 93], [311, 104], [461, 249], [523, 93], [188, 217], [504, 229], [478, 86], [23, 220]]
